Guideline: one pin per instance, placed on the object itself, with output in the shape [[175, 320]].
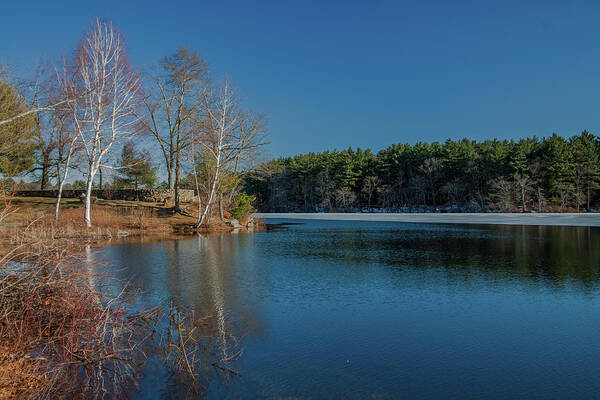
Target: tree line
[[96, 117], [548, 174]]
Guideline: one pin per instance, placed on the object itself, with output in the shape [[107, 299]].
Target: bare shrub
[[54, 310], [77, 333], [197, 349]]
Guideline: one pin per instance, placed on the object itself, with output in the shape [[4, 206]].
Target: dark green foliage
[[558, 160], [136, 169], [242, 206], [79, 184], [475, 176], [587, 174], [17, 145]]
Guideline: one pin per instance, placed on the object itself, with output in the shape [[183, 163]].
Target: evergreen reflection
[[554, 253]]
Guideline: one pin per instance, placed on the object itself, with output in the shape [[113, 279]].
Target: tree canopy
[[17, 138], [530, 174]]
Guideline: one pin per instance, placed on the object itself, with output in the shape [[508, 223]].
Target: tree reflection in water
[[311, 296]]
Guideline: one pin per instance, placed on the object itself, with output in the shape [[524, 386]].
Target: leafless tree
[[565, 195], [419, 186], [246, 138], [502, 192], [42, 90], [325, 189], [105, 95], [249, 136], [172, 105], [345, 197], [455, 191], [432, 169], [523, 185], [35, 110], [217, 135], [370, 186], [536, 171]]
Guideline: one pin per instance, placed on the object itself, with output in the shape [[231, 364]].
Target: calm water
[[341, 309]]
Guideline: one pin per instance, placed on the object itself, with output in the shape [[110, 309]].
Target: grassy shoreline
[[111, 219]]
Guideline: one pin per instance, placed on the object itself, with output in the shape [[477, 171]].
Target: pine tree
[[136, 169], [17, 145], [560, 167], [587, 174]]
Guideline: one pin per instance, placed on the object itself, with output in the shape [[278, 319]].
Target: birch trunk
[[212, 192], [221, 123], [107, 97], [87, 207], [61, 181]]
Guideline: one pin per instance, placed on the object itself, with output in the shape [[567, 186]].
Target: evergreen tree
[[587, 174], [136, 169], [466, 173], [17, 145], [559, 166]]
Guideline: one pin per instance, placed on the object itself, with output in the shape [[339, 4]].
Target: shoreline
[[113, 222], [541, 219]]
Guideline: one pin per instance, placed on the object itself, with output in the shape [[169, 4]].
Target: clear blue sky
[[362, 74]]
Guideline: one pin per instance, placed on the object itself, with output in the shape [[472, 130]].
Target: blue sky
[[362, 74]]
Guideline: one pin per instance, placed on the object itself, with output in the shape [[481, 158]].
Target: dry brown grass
[[108, 219], [63, 334], [20, 377]]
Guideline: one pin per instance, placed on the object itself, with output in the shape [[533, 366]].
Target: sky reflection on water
[[346, 309]]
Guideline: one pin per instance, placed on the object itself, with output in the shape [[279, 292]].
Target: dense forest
[[549, 174]]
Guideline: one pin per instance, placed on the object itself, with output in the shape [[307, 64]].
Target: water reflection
[[555, 253], [363, 309], [202, 273]]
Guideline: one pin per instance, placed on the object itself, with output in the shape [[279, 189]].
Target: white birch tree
[[105, 95], [216, 135]]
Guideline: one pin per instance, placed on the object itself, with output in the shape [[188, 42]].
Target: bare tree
[[536, 171], [325, 189], [172, 105], [432, 168], [40, 91], [455, 191], [370, 186], [345, 197], [502, 192], [217, 136], [248, 137], [35, 110], [419, 186], [105, 95], [67, 146], [565, 195], [524, 185]]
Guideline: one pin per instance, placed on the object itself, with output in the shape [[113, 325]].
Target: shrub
[[242, 206]]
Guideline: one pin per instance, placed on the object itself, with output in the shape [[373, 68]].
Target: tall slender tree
[[106, 95], [172, 105], [559, 165], [587, 168]]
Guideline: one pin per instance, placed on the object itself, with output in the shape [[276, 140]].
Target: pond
[[355, 309]]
